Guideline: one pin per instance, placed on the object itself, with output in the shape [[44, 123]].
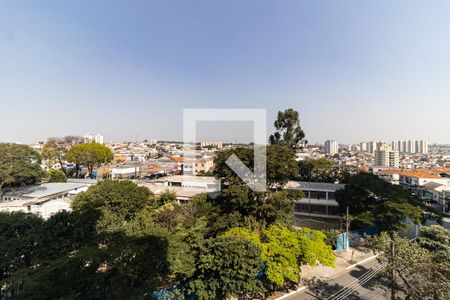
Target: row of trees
[[121, 241], [21, 165], [72, 149]]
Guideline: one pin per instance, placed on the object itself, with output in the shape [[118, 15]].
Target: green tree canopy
[[121, 199], [432, 281], [283, 250], [55, 149], [418, 268], [90, 155], [56, 176], [227, 268], [288, 131], [318, 170], [281, 165], [106, 248], [375, 202], [19, 165]]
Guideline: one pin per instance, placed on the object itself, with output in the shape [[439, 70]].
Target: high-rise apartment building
[[331, 147], [363, 146], [93, 138], [384, 156], [408, 146], [411, 146], [214, 144]]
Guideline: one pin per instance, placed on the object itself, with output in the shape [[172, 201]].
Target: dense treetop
[[288, 131], [90, 155], [19, 165], [375, 202]]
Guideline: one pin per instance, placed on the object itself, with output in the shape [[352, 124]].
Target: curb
[[292, 293], [361, 262], [329, 278]]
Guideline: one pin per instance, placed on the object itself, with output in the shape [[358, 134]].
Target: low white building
[[42, 199], [185, 186]]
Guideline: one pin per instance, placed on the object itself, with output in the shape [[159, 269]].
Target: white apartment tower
[[411, 146], [93, 138], [363, 146], [331, 147], [384, 156]]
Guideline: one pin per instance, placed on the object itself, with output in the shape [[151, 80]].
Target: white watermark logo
[[256, 180]]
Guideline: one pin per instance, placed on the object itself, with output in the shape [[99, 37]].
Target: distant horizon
[[107, 141]]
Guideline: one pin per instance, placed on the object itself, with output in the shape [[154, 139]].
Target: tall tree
[[281, 165], [288, 131], [401, 260], [55, 149], [19, 165], [432, 280], [90, 155]]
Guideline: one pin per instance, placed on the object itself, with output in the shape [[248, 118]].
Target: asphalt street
[[358, 282]]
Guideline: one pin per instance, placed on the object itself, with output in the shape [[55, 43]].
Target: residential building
[[93, 138], [203, 165], [410, 146], [432, 185], [363, 146], [385, 157], [212, 144], [331, 147], [185, 186], [43, 199], [318, 205]]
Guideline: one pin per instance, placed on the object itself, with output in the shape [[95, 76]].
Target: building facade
[[318, 207], [93, 138], [331, 147], [384, 156]]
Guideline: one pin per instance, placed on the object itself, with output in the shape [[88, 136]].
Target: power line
[[346, 291], [349, 289]]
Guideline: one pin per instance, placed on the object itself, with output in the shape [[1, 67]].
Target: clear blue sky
[[355, 70]]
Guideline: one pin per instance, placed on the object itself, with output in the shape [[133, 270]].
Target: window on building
[[318, 195], [318, 209]]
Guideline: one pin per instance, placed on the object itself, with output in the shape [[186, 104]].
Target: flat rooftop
[[43, 190], [313, 186], [185, 178], [418, 173], [26, 202]]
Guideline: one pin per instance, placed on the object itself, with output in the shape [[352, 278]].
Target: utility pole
[[392, 263], [347, 229], [444, 202]]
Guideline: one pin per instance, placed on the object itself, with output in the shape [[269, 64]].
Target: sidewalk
[[342, 264]]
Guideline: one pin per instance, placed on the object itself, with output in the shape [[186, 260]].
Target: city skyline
[[130, 69]]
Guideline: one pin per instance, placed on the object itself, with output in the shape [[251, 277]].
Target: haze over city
[[355, 71]]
